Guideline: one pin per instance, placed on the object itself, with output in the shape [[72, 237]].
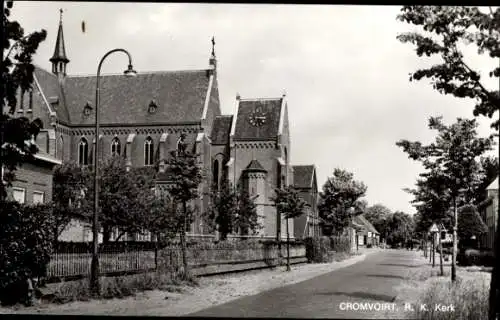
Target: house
[[366, 232], [489, 213], [304, 181], [33, 182], [145, 118]]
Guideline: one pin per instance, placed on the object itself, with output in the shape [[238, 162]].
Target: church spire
[[213, 60], [59, 59]]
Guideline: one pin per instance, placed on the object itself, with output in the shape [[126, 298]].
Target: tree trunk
[[454, 251], [493, 313], [287, 247], [441, 270], [183, 242], [433, 249]]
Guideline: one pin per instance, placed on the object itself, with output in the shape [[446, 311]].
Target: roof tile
[[221, 129]]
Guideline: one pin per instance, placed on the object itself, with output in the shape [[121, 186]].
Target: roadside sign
[[434, 228]]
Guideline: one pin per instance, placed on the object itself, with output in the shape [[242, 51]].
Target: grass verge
[[468, 296], [117, 287]]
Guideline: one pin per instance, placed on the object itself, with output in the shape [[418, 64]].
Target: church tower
[[59, 59], [255, 184]]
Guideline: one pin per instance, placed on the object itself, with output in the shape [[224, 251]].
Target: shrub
[[473, 257], [317, 249], [340, 244], [26, 239]]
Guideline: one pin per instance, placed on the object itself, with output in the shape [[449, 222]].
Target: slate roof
[[269, 130], [221, 129], [59, 50], [51, 88], [255, 165], [179, 96], [302, 176]]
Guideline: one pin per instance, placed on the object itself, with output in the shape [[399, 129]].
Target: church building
[[143, 119]]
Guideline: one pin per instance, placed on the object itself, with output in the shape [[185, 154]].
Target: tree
[[222, 212], [451, 164], [469, 224], [445, 29], [69, 183], [185, 177], [453, 26], [291, 205], [339, 196], [246, 219], [378, 215], [16, 133]]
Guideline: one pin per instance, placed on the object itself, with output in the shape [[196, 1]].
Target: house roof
[[493, 185], [255, 165], [179, 97], [221, 129], [271, 108], [303, 176], [368, 224]]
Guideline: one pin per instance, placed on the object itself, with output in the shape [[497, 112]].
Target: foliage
[[491, 168], [317, 249], [184, 179], [452, 169], [445, 29], [473, 257], [401, 226], [246, 219], [26, 239], [288, 202], [470, 223], [379, 216], [17, 76], [340, 244], [338, 200], [221, 213], [233, 210]]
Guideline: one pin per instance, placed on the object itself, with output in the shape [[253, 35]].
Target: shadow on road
[[400, 265], [385, 276], [362, 295]]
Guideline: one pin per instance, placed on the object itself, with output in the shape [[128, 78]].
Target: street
[[327, 296]]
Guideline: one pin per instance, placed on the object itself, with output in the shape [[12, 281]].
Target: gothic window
[[152, 107], [83, 152], [215, 172], [115, 147], [148, 151]]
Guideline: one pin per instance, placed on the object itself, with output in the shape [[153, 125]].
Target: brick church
[[143, 118]]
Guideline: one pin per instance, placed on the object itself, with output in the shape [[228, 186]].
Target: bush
[[473, 257], [340, 244], [26, 239], [317, 249]]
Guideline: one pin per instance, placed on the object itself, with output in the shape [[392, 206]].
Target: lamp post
[[94, 269]]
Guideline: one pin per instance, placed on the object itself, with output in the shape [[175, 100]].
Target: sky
[[344, 73]]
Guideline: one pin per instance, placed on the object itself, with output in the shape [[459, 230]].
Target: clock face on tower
[[257, 118]]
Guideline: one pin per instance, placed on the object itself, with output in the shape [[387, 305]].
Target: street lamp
[[94, 269]]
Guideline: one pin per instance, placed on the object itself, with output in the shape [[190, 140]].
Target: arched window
[[83, 152], [148, 151], [115, 147], [215, 172]]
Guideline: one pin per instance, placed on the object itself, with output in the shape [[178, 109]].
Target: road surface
[[371, 281]]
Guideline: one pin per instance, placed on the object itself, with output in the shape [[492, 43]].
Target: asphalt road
[[327, 296]]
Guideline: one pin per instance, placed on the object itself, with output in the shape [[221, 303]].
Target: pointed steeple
[[59, 59], [213, 60]]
